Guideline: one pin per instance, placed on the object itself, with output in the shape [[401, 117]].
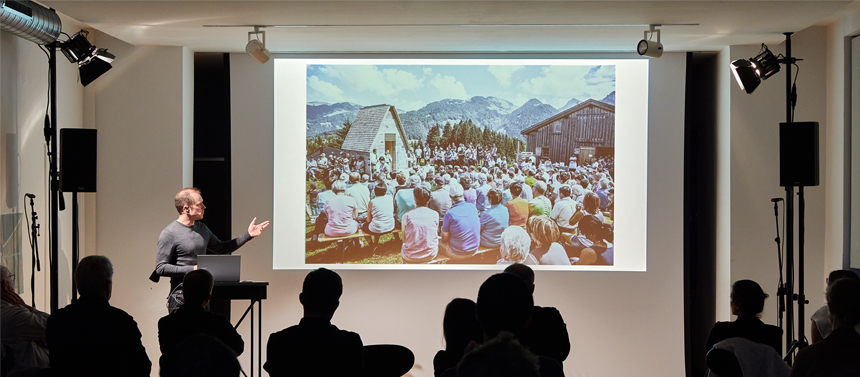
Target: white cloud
[[404, 106], [503, 73], [449, 87], [428, 71], [326, 91], [558, 84], [386, 82]]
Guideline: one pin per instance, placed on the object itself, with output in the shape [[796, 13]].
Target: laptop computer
[[222, 267]]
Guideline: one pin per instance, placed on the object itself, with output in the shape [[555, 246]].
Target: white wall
[[406, 307], [140, 111]]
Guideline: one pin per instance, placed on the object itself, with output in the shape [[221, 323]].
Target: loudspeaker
[[798, 154], [77, 160]]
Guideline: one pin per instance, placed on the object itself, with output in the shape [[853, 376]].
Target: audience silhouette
[[315, 347], [502, 356], [821, 326], [199, 355], [836, 355], [193, 318], [546, 334], [22, 328], [747, 301], [505, 304], [91, 338], [461, 328]]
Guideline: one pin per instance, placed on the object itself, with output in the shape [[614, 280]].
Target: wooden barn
[[586, 131], [378, 127]]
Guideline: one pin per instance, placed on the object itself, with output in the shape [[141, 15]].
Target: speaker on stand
[[77, 174]]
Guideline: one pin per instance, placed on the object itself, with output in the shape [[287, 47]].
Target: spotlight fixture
[[92, 62], [648, 47], [749, 73], [256, 46]]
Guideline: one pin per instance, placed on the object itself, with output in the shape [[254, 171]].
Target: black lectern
[[255, 291]]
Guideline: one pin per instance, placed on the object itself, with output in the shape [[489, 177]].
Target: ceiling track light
[[647, 46], [750, 73], [256, 46]]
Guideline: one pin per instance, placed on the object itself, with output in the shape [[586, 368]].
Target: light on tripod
[[749, 73], [92, 62]]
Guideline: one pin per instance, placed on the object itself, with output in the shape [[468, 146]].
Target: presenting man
[[184, 239]]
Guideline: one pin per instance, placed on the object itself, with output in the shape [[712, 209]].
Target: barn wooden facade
[[586, 131], [378, 127]]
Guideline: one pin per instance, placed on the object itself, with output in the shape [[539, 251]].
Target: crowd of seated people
[[474, 204], [500, 332]]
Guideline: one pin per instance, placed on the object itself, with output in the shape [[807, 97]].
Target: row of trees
[[464, 132]]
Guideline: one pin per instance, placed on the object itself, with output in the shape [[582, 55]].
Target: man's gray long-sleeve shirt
[[179, 245]]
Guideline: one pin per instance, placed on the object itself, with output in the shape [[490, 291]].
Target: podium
[[254, 291]]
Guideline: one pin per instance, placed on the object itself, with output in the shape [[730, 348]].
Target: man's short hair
[[197, 287], [515, 244], [414, 180], [338, 186], [494, 196], [843, 300], [380, 189], [540, 185], [354, 177], [93, 275], [185, 198], [564, 190], [516, 189], [321, 289], [504, 304]]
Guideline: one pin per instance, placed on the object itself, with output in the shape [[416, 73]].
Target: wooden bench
[[340, 240], [443, 258]]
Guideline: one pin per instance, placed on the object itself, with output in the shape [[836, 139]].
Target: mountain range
[[496, 113]]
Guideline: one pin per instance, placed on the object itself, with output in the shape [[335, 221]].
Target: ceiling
[[449, 26]]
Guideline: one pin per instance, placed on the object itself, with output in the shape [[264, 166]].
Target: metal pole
[[51, 133], [789, 217]]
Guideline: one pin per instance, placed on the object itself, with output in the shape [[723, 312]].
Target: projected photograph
[[459, 164]]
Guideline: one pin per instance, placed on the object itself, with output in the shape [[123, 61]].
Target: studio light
[[647, 47], [256, 46], [92, 62], [749, 73]]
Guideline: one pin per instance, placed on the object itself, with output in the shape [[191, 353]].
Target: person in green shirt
[[540, 205], [530, 180]]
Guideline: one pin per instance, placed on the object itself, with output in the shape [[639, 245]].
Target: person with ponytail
[[747, 302]]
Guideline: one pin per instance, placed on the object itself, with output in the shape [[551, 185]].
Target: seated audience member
[[540, 205], [315, 347], [193, 318], [404, 199], [494, 220], [747, 302], [505, 304], [420, 230], [199, 355], [546, 334], [590, 207], [482, 188], [90, 337], [821, 326], [518, 208], [502, 356], [361, 194], [836, 355], [470, 195], [22, 328], [587, 246], [380, 211], [564, 209], [460, 328], [341, 211], [545, 234], [440, 201], [516, 247], [461, 227]]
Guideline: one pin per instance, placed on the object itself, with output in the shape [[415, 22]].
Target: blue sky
[[410, 87]]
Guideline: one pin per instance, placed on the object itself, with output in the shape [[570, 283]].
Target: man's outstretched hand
[[257, 229]]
